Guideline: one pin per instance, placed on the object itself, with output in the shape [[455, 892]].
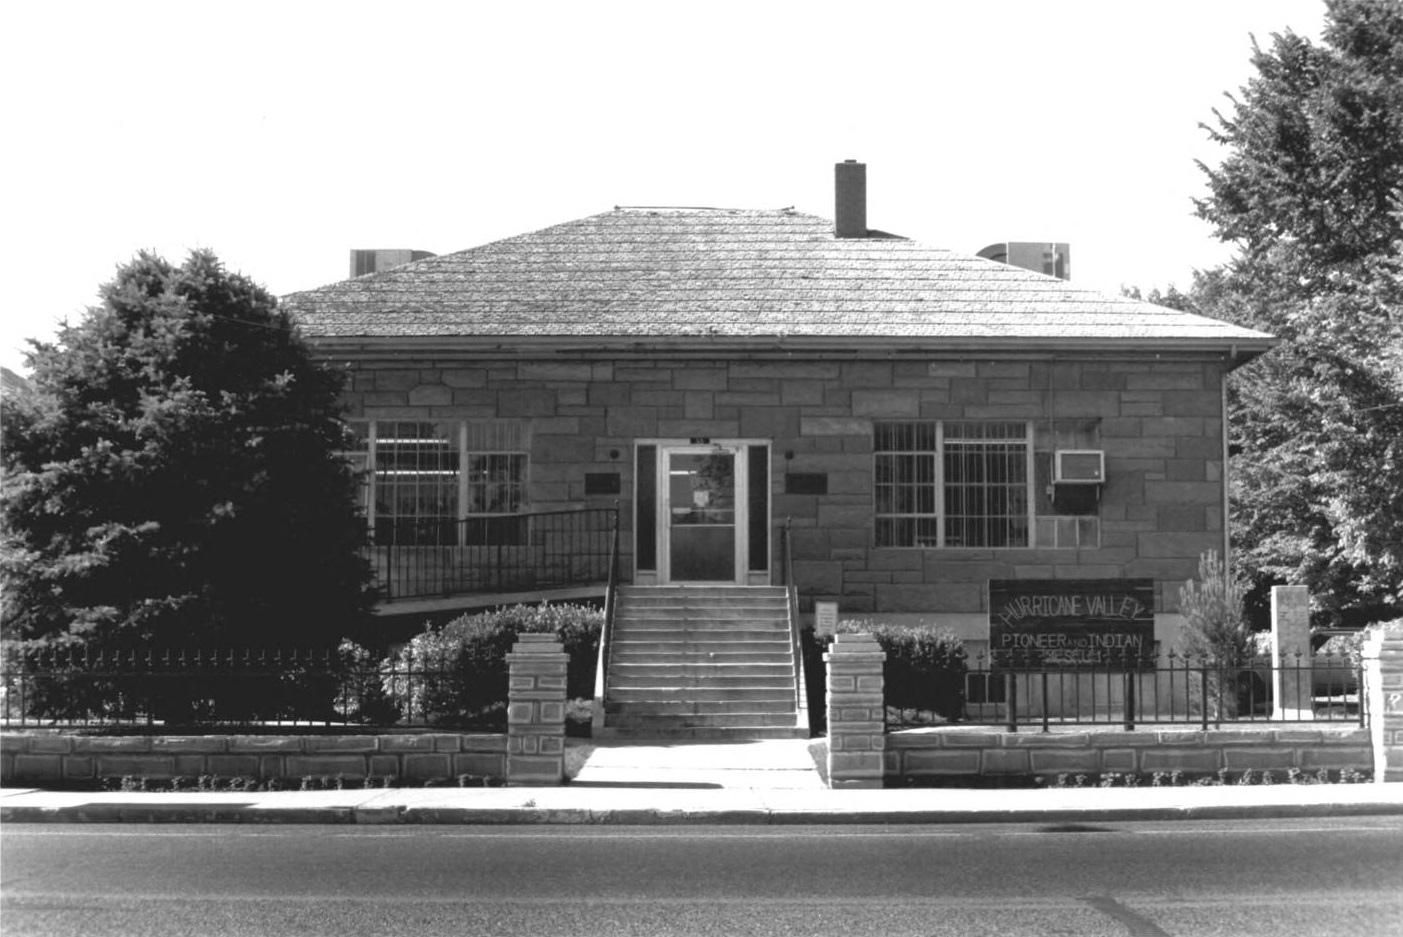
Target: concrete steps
[[702, 662]]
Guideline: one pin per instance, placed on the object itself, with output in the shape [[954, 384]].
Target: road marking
[[1136, 924]]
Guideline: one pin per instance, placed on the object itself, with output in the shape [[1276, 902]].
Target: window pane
[[416, 482], [986, 487], [984, 493]]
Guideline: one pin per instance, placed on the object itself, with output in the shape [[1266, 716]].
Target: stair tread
[[687, 660]]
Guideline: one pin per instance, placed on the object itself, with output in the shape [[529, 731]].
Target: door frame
[[662, 528]]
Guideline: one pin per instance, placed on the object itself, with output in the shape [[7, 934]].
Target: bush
[[925, 667], [457, 675]]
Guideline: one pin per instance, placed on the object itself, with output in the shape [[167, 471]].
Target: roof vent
[[850, 199]]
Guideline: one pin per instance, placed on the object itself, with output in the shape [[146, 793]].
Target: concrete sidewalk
[[572, 804], [682, 782]]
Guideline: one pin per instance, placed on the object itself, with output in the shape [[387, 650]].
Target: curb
[[428, 816]]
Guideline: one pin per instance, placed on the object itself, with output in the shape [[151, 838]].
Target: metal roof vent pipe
[[850, 199]]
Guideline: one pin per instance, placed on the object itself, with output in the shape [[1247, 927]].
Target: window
[[952, 484], [495, 481], [441, 483]]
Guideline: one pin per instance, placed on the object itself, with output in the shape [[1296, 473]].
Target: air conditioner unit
[[1079, 467]]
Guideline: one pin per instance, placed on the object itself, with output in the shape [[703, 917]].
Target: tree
[[1311, 194], [1216, 631], [1215, 624], [175, 481]]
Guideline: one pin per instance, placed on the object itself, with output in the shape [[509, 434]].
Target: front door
[[702, 512], [700, 515]]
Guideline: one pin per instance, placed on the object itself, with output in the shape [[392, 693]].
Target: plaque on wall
[[1072, 623], [602, 483]]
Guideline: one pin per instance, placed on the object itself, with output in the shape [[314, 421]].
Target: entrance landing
[[753, 764]]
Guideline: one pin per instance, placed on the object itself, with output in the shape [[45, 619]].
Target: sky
[[281, 135]]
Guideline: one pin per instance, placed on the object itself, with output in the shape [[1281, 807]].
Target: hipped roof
[[694, 277]]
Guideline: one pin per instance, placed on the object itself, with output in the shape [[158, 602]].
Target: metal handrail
[[801, 690], [606, 631], [501, 553]]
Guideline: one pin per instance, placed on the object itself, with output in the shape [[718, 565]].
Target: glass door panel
[[702, 516]]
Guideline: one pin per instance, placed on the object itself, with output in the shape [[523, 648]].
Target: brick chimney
[[850, 199]]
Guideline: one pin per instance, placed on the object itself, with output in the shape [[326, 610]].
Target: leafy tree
[[174, 480], [1311, 194]]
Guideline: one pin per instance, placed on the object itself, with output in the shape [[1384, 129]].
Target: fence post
[[1011, 701], [1130, 688], [857, 729], [1046, 718], [536, 711], [1383, 672], [1203, 691], [1290, 631]]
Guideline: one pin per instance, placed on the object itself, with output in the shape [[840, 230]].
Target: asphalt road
[[1298, 877]]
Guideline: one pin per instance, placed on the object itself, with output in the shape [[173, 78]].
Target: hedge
[[456, 675], [925, 667]]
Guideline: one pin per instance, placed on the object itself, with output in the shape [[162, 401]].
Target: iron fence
[[1018, 692], [508, 553], [244, 689]]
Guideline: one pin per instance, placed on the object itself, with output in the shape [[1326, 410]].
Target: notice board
[[1072, 623]]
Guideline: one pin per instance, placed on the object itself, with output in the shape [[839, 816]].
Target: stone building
[[930, 426]]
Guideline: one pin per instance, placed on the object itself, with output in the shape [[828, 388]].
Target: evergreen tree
[[1311, 194], [174, 481], [1216, 633]]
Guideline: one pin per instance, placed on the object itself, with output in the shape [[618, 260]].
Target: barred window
[[948, 484], [441, 483]]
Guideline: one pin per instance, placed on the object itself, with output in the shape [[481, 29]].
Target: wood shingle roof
[[680, 275]]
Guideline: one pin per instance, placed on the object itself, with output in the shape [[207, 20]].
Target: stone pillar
[[1383, 687], [857, 731], [536, 711], [1290, 650]]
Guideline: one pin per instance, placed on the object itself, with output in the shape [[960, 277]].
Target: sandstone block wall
[[74, 759], [975, 752], [1158, 420]]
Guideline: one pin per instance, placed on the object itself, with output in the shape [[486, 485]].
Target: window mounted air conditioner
[[1079, 467]]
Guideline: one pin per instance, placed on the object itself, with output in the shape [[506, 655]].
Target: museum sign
[[1072, 623]]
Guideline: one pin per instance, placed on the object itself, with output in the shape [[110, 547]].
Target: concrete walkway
[[768, 764]]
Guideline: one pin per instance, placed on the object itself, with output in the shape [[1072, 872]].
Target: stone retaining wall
[[73, 759], [981, 753]]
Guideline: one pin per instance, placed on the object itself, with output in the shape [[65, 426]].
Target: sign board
[[1071, 623], [825, 619]]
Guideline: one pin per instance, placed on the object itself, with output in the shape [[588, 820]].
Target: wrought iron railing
[[513, 553], [246, 690], [606, 631], [795, 637], [1016, 693]]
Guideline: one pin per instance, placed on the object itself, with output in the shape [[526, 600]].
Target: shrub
[[925, 667], [457, 674], [361, 696]]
